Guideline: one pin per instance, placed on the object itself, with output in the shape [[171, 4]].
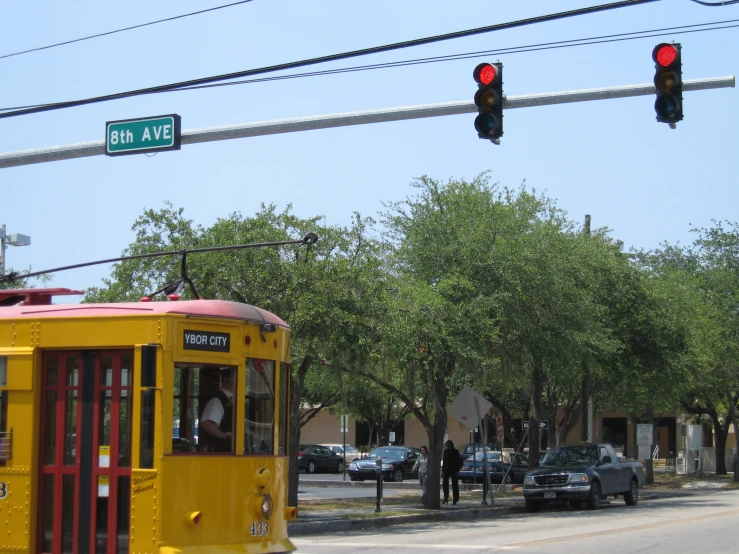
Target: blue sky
[[610, 159]]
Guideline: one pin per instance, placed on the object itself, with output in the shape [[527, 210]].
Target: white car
[[351, 452]]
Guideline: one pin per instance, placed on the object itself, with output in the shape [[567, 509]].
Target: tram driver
[[217, 417]]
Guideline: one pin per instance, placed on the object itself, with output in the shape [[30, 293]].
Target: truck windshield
[[571, 455]]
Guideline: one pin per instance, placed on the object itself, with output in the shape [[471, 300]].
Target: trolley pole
[[228, 132]]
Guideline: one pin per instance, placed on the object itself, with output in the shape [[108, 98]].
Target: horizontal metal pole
[[293, 125]]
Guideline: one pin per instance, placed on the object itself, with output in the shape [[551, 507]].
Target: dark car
[[314, 458], [500, 468], [473, 448], [397, 463]]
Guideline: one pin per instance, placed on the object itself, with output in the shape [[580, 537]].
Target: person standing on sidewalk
[[422, 467], [451, 464]]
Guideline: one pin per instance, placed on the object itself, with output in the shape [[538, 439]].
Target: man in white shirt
[[217, 417]]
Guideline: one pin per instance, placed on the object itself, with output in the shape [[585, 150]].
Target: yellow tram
[[151, 427]]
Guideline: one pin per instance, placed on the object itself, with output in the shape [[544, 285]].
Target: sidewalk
[[356, 518]]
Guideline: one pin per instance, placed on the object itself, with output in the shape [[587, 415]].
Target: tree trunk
[[733, 417], [435, 434], [721, 432], [297, 387], [649, 468], [584, 399], [567, 423]]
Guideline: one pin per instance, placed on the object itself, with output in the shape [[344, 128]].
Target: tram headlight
[[267, 506]]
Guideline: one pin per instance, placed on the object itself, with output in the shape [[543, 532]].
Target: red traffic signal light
[[489, 100], [668, 83], [485, 74]]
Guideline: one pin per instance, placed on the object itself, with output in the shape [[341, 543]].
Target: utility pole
[[12, 239], [227, 132], [585, 407]]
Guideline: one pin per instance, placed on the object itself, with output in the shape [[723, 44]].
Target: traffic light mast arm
[[293, 125]]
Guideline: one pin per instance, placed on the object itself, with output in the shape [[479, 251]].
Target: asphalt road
[[704, 523]]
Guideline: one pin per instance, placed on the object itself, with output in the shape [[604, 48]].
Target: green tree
[[330, 294]]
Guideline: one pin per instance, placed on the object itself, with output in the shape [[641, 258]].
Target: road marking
[[620, 530], [404, 546]]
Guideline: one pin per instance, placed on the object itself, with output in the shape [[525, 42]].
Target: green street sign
[[147, 134]]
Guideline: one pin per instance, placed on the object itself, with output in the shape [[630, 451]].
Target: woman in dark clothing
[[451, 465]]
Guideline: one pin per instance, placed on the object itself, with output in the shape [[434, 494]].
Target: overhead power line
[[124, 29], [716, 4], [602, 39], [330, 58]]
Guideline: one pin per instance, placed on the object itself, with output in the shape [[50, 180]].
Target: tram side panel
[[17, 446]]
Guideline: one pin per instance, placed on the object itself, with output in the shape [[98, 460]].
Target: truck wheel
[[575, 504], [632, 497], [593, 501], [532, 506]]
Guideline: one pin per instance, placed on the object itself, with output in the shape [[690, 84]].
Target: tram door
[[85, 481]]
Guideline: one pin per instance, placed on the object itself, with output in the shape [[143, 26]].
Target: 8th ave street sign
[[149, 134]]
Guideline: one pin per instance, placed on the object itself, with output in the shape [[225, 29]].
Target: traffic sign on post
[[541, 424], [148, 134]]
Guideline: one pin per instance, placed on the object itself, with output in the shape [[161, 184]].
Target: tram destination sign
[[146, 134], [207, 341]]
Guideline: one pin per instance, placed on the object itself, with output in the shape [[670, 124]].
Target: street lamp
[[13, 239]]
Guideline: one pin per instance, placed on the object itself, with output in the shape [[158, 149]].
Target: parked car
[[314, 458], [582, 473], [503, 468], [338, 449], [474, 448], [473, 469], [397, 463]]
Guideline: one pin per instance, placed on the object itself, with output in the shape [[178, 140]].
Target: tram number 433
[[259, 529]]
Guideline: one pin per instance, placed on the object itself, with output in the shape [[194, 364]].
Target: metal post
[[378, 470], [2, 250], [227, 132], [485, 469]]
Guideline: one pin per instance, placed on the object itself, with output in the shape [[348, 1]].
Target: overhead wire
[[329, 58], [716, 4], [602, 39], [124, 29], [467, 55]]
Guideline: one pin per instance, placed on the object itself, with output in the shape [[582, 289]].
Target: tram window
[[203, 409], [285, 409], [259, 407], [148, 405]]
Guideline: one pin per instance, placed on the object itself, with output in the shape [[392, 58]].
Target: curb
[[299, 528], [512, 506]]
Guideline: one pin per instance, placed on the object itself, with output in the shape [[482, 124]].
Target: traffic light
[[489, 101], [668, 82]]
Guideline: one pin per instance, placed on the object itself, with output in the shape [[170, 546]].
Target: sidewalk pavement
[[364, 517]]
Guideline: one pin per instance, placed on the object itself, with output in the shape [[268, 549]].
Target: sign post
[[147, 134], [344, 429], [469, 408]]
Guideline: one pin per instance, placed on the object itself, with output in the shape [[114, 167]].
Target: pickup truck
[[582, 473]]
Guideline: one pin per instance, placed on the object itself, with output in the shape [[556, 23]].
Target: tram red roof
[[207, 308]]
